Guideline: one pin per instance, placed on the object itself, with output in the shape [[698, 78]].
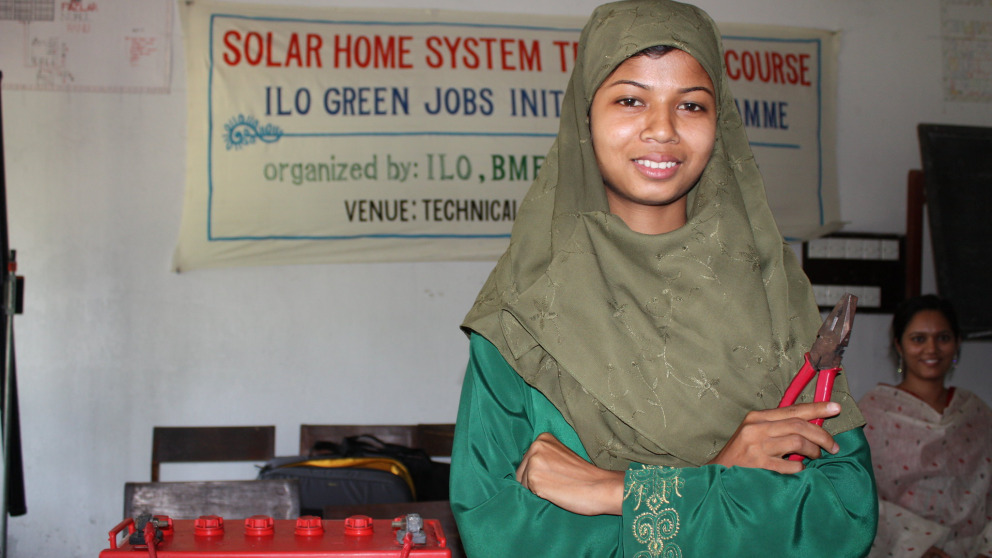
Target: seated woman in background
[[931, 444]]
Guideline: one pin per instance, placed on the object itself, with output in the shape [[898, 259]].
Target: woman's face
[[653, 125], [928, 346]]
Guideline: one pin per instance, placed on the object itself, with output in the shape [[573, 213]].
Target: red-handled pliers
[[823, 358]]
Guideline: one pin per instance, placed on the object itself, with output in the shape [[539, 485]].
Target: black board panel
[[957, 168]]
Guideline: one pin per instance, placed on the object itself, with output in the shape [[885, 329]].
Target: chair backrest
[[278, 498], [197, 444], [435, 439]]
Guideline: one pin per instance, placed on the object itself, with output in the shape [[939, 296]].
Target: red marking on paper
[[140, 47]]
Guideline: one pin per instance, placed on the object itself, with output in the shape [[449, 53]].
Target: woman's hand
[[553, 472], [764, 438]]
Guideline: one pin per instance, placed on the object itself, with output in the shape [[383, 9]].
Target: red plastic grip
[[798, 383]]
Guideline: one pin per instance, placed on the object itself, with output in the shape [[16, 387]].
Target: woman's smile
[[657, 170]]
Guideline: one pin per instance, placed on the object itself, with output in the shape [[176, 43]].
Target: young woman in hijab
[[930, 443], [629, 350]]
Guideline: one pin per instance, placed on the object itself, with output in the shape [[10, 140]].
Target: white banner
[[785, 84], [333, 135]]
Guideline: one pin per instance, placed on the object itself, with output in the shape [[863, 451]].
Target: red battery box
[[261, 536]]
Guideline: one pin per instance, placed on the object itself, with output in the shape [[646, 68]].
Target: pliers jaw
[[833, 335], [823, 359]]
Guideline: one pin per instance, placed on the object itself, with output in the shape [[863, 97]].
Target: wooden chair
[[200, 444], [435, 439], [278, 498]]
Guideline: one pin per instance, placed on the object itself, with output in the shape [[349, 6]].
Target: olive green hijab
[[653, 347]]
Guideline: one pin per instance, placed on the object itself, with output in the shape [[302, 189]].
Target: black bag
[[342, 481], [430, 478]]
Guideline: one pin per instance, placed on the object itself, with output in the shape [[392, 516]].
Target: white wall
[[112, 343]]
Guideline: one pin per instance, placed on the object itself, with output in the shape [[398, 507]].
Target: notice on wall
[[118, 46], [966, 37], [322, 135]]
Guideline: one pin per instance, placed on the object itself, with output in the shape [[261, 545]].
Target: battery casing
[[264, 537]]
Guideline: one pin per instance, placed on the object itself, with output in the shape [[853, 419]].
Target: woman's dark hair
[[911, 306], [656, 51]]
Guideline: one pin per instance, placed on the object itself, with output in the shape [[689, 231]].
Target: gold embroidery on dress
[[655, 524]]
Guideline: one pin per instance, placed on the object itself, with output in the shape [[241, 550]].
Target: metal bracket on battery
[[137, 538], [412, 524]]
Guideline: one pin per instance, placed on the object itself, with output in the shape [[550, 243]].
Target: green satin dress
[[828, 510]]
